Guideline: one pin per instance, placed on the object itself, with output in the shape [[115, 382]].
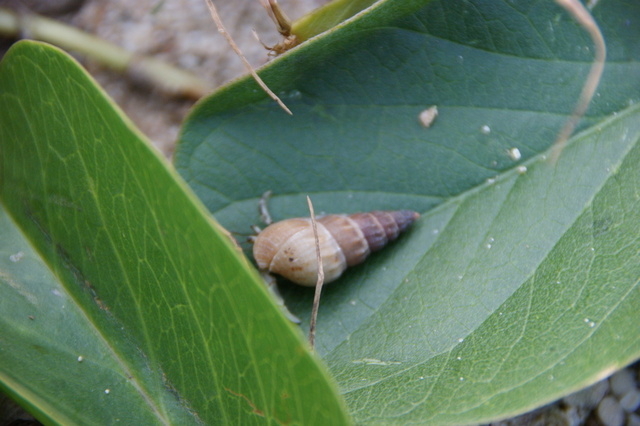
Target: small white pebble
[[588, 397], [485, 129], [609, 412], [514, 154], [428, 116], [630, 402], [622, 382]]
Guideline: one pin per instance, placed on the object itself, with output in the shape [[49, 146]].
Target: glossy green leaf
[[518, 285], [56, 361], [107, 256]]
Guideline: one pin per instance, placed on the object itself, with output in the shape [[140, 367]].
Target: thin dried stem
[[584, 18], [282, 21], [171, 80], [320, 282], [222, 30]]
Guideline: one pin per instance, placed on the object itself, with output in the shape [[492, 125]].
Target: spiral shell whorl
[[287, 248], [381, 227]]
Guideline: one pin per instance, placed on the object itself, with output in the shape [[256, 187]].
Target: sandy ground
[[182, 33]]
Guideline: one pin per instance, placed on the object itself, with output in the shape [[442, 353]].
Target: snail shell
[[288, 247]]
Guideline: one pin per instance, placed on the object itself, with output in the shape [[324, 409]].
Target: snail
[[288, 248]]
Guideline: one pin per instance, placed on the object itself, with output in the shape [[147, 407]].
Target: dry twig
[[584, 18], [171, 80], [320, 282], [222, 30]]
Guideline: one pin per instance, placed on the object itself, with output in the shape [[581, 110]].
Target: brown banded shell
[[288, 248]]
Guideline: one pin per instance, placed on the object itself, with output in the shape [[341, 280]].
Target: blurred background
[[178, 32]]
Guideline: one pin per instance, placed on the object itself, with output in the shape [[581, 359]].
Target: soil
[[179, 32]]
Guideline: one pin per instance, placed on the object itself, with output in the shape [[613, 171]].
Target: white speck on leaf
[[514, 154], [428, 116], [485, 129], [16, 257]]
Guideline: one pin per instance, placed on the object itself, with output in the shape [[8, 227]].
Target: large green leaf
[[107, 256], [519, 284], [56, 361]]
